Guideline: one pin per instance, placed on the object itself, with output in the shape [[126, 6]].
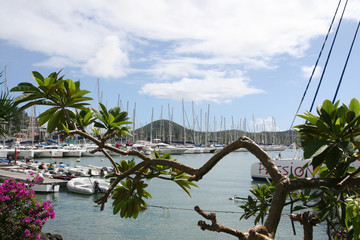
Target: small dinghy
[[87, 185]]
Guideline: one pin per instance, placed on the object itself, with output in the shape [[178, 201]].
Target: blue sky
[[240, 59]]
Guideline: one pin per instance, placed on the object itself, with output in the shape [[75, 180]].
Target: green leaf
[[328, 107], [45, 116], [53, 122], [314, 148], [104, 111], [332, 158], [37, 75], [354, 106]]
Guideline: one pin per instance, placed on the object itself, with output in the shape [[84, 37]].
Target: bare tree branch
[[251, 146], [308, 221], [255, 233]]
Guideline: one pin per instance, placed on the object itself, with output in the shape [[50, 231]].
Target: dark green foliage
[[258, 205], [7, 113], [128, 198], [57, 93], [332, 137], [111, 120], [331, 141], [129, 195]]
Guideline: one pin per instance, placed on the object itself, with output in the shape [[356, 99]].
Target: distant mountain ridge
[[169, 131]]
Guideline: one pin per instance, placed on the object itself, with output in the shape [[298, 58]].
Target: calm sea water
[[170, 214]]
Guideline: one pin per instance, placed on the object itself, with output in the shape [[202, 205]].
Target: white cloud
[[109, 39], [215, 86], [307, 71], [265, 124], [58, 62], [109, 61]]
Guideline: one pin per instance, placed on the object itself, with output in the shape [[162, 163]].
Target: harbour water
[[170, 214]]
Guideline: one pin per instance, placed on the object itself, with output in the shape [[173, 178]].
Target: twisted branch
[[255, 233]]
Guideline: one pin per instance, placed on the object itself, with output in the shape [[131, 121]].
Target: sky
[[231, 64]]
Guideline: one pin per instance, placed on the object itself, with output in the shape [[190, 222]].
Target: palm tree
[[7, 108]]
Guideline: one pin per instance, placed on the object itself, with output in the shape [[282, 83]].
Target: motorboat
[[208, 149], [83, 171], [163, 148], [87, 185], [191, 149], [143, 148]]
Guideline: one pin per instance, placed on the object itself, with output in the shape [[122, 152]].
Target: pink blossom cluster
[[21, 214]]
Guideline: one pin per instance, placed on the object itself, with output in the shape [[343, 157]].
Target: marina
[[170, 210]]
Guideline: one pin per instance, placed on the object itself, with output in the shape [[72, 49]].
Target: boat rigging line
[[347, 59], [317, 61], [328, 57]]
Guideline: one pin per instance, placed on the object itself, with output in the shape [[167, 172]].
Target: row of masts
[[193, 131], [199, 134]]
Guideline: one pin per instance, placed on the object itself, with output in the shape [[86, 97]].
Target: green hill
[[169, 131]]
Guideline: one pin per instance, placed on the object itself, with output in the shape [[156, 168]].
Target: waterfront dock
[[6, 174]]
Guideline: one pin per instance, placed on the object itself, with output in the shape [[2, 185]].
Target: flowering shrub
[[21, 214]]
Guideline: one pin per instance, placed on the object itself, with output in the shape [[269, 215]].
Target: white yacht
[[163, 148], [72, 150], [48, 151], [22, 152]]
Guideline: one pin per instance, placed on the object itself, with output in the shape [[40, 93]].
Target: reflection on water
[[170, 214]]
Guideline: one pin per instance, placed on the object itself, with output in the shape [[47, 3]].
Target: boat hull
[[72, 153], [86, 186], [3, 154], [162, 151], [46, 188], [44, 153], [286, 167]]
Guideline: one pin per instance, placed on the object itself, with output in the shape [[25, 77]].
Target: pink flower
[[27, 233]]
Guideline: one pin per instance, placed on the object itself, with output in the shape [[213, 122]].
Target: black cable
[[347, 59], [317, 61], [328, 57]]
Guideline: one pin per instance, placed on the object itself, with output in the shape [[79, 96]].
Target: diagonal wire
[[328, 57], [347, 59], [317, 61]]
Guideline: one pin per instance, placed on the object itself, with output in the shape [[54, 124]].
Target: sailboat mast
[[183, 112], [133, 132], [200, 137], [193, 114], [169, 123], [99, 95], [207, 125], [151, 124], [5, 81], [215, 133]]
